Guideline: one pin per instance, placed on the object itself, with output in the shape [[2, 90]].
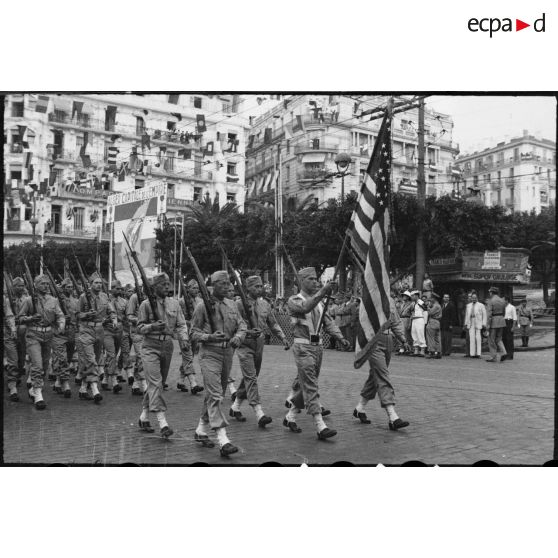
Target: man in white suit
[[475, 320]]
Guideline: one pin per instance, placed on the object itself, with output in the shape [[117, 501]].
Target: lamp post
[[33, 221], [342, 162]]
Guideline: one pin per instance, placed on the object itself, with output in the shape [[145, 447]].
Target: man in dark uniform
[[44, 318], [495, 311], [305, 309], [449, 319], [250, 353]]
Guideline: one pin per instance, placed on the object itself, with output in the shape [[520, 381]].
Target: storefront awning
[[313, 158]]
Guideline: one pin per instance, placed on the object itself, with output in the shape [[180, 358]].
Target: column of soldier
[[59, 319]]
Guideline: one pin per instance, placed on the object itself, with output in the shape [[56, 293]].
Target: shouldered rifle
[[56, 291], [188, 304], [203, 288], [293, 267], [337, 269], [241, 292], [75, 284], [28, 278], [84, 284], [9, 288], [139, 294], [149, 293]]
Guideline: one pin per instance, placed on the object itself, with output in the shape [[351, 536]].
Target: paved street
[[460, 410]]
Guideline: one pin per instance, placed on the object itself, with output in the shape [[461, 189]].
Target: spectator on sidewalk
[[433, 327], [525, 318], [510, 315], [405, 314], [418, 321], [475, 322], [427, 286], [448, 320], [495, 308]]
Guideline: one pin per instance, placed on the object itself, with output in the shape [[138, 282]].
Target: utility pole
[[421, 199]]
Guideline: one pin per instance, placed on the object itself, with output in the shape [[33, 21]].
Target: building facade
[[65, 153], [519, 175], [307, 132]]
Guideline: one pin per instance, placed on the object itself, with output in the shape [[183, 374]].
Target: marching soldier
[[250, 353], [216, 354], [305, 309], [187, 371], [378, 381], [10, 349], [139, 385], [43, 318], [156, 350], [19, 298], [92, 335], [64, 342], [112, 340]]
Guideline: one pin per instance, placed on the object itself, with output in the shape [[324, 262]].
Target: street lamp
[[342, 162]]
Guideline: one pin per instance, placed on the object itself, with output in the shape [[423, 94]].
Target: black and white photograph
[[278, 277]]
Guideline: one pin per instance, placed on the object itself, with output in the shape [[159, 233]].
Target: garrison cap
[[18, 281], [66, 283], [192, 283], [40, 279], [307, 272], [219, 276], [494, 290], [94, 276], [160, 278], [253, 280], [116, 284]]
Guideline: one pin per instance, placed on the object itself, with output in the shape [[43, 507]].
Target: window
[[139, 183], [231, 169], [16, 175], [28, 213], [171, 156], [60, 115], [197, 193], [226, 108], [173, 99], [83, 119], [170, 190], [288, 172], [17, 109], [516, 154], [231, 198], [197, 102], [140, 126], [404, 124], [288, 146], [59, 176], [511, 172], [79, 141], [171, 126], [79, 213], [315, 143]]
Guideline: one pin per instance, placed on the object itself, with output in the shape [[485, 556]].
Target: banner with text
[[136, 214]]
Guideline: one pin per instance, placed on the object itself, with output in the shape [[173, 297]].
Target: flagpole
[[111, 246], [281, 284], [180, 258]]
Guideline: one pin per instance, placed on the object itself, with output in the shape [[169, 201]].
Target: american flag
[[368, 233]]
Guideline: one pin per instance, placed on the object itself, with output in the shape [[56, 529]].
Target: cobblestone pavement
[[461, 411]]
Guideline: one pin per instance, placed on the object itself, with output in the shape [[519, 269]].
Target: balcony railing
[[13, 225], [309, 147], [16, 148], [87, 231], [314, 174]]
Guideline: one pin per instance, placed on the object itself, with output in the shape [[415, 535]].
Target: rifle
[[146, 287], [9, 288], [85, 284], [136, 282], [337, 269], [243, 297], [102, 280], [293, 267], [28, 278], [57, 292], [203, 288]]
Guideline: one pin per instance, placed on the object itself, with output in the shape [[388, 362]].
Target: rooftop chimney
[[525, 133]]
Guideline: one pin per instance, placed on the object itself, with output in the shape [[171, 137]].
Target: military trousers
[[124, 361], [10, 354], [495, 341], [91, 340], [433, 340], [60, 363], [137, 341], [250, 355], [187, 366], [156, 355], [215, 364], [378, 381], [308, 360], [39, 349], [21, 349], [112, 340]]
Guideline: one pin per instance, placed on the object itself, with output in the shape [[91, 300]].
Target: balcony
[[314, 174], [82, 121], [179, 202], [12, 225], [89, 231], [510, 182], [16, 148], [309, 148], [82, 192]]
